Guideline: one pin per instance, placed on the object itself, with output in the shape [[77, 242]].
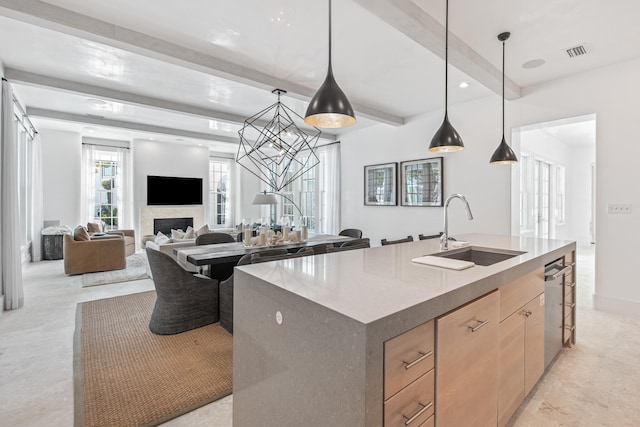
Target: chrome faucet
[[444, 239]]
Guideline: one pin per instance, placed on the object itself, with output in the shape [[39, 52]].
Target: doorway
[[553, 184]]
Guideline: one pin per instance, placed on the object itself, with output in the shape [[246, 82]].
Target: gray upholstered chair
[[385, 242], [351, 232], [184, 301], [226, 291], [357, 242], [214, 238], [217, 271], [321, 248], [262, 257], [349, 246]]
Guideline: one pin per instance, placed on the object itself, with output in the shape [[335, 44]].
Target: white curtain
[[330, 163], [125, 190], [88, 197], [36, 199], [10, 206]]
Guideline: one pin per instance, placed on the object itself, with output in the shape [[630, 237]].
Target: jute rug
[[136, 270], [124, 375]]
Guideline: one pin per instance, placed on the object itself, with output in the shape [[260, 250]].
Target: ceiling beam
[[38, 80], [55, 18], [121, 124], [411, 20]]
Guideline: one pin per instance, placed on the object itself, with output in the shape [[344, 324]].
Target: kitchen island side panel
[[308, 370]]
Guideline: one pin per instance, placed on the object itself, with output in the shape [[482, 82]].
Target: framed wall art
[[421, 182], [380, 184]]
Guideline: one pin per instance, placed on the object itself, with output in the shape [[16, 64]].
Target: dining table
[[224, 253]]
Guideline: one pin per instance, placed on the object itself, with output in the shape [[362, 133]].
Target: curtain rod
[[105, 145], [326, 145], [24, 115]]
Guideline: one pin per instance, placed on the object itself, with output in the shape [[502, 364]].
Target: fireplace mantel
[[148, 214]]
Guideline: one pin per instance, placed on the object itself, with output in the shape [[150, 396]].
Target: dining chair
[[184, 301], [361, 245], [357, 242], [214, 238], [427, 237], [351, 232], [385, 242], [260, 257]]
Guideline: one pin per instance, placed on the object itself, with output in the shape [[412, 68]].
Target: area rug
[[136, 270], [124, 375]]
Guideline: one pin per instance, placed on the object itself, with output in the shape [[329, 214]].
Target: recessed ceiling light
[[464, 85], [150, 138], [199, 145], [534, 63], [88, 129]]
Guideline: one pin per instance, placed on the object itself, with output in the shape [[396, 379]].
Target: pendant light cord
[[330, 70], [446, 59], [503, 89]]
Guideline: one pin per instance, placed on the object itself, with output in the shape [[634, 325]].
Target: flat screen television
[[169, 190]]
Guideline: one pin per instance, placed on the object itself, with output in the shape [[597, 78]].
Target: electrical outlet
[[619, 208]]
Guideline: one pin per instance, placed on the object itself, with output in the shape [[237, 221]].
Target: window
[[526, 195], [304, 192], [220, 193], [107, 185], [560, 195], [24, 138]]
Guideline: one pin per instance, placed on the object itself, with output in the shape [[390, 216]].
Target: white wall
[[62, 172], [467, 172], [611, 93], [580, 197], [165, 159], [614, 96]]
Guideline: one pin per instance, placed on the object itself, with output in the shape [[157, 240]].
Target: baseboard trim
[[1, 304], [615, 305]]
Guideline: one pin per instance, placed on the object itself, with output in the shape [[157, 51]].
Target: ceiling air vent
[[576, 51]]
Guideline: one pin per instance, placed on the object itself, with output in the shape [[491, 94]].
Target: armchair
[[87, 256]]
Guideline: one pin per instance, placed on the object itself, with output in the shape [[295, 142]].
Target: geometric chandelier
[[274, 152]]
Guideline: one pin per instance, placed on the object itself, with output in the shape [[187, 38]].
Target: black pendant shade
[[329, 107], [446, 138], [503, 155]]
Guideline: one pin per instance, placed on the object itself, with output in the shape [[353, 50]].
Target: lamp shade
[[329, 107], [503, 155], [446, 138], [265, 199]]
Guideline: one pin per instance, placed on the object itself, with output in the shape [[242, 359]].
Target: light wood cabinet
[[409, 377], [466, 364], [569, 301], [521, 342]]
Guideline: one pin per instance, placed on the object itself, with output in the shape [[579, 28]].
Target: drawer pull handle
[[417, 414], [479, 325], [527, 313], [420, 358]]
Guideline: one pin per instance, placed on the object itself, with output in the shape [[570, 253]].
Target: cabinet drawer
[[519, 292], [430, 422], [568, 326], [411, 406], [407, 357]]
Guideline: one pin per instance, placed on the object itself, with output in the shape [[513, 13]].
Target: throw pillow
[[93, 227], [80, 234], [190, 233], [203, 230], [161, 239], [177, 234]]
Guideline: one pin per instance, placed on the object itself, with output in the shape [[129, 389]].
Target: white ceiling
[[193, 70]]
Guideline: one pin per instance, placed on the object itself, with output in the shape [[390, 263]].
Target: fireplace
[[165, 225], [148, 215]]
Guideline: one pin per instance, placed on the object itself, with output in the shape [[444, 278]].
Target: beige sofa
[[97, 254], [98, 226]]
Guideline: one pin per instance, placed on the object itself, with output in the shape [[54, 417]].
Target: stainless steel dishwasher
[[553, 292]]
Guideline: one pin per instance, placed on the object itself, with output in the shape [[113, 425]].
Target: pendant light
[[446, 138], [503, 155], [329, 107]]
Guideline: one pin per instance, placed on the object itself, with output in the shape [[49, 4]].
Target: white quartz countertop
[[370, 284]]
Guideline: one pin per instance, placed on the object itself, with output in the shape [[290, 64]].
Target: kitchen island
[[313, 335]]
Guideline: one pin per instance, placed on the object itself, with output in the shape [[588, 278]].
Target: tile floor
[[596, 383]]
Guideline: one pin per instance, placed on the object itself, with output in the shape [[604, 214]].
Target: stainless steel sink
[[478, 255]]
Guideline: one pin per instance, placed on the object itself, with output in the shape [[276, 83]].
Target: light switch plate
[[619, 208]]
